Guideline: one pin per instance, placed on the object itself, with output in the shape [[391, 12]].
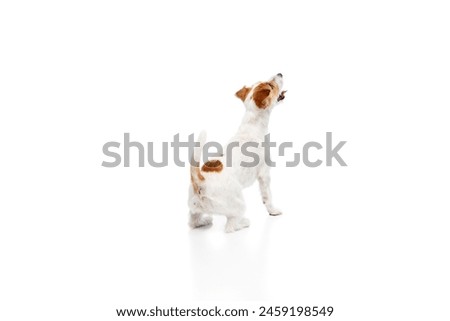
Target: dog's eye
[[271, 86]]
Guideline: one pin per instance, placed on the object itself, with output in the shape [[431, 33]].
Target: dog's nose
[[280, 75]]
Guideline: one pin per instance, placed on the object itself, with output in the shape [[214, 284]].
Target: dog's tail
[[196, 175]]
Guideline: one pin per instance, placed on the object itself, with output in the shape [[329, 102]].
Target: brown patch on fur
[[264, 93], [213, 166], [242, 93]]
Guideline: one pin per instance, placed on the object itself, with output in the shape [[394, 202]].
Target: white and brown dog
[[217, 189]]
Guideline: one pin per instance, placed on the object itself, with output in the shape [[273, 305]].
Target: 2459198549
[[292, 311]]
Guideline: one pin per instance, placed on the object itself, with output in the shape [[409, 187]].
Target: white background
[[78, 240]]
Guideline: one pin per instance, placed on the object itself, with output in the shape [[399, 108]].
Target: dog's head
[[263, 95]]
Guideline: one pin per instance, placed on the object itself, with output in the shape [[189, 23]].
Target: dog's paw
[[275, 212], [245, 222], [206, 220], [236, 224], [200, 222]]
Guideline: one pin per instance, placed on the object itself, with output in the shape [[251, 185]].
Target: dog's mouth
[[281, 96]]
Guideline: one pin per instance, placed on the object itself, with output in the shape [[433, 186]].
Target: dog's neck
[[256, 122]]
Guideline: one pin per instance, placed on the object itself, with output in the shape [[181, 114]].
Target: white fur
[[221, 193]]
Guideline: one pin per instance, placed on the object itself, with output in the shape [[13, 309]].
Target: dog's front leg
[[266, 194]]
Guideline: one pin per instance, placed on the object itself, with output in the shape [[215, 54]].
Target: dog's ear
[[242, 93], [261, 97]]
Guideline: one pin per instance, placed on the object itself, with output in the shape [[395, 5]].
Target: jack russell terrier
[[217, 187]]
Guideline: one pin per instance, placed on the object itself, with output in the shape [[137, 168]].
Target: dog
[[216, 188]]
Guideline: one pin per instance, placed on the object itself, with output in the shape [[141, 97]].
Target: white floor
[[131, 247]]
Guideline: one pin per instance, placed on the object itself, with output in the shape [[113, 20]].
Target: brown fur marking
[[264, 93], [242, 93], [213, 166]]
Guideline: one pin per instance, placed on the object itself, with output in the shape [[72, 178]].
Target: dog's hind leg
[[235, 215], [197, 217]]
